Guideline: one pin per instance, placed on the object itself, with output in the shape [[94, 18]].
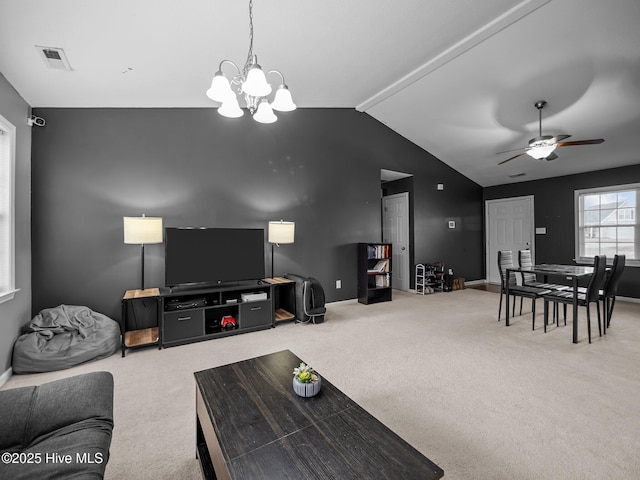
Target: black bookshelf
[[374, 272]]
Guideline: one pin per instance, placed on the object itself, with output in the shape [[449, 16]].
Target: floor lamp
[[280, 233], [140, 231]]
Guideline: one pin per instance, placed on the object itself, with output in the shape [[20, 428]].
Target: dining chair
[[591, 295], [530, 279], [505, 261], [525, 261], [611, 288]]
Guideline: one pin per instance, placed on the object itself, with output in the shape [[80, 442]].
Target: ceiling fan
[[542, 147]]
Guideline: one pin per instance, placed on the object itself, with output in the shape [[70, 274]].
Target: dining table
[[575, 274]]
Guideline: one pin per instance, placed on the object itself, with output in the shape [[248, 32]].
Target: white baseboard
[[628, 299], [475, 282], [4, 378]]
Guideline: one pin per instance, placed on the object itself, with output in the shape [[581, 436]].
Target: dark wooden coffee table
[[251, 425]]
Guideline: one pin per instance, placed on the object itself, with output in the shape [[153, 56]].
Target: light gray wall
[[17, 311]]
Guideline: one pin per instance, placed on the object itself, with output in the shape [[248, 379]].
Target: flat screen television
[[213, 255]]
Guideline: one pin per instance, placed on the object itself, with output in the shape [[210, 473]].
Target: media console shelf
[[197, 314]]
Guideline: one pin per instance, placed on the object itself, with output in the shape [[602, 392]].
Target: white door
[[395, 230], [510, 226]]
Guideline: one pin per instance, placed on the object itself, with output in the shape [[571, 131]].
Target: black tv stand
[[193, 313]]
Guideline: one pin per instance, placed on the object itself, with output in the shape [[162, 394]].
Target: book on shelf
[[381, 266], [383, 280], [378, 251]]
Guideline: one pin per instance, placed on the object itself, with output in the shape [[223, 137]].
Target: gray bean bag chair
[[65, 336]]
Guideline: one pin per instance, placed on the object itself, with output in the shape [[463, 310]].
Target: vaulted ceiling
[[458, 78]]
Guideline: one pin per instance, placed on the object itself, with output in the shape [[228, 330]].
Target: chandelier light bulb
[[256, 83], [230, 108], [283, 101], [220, 88], [264, 114]]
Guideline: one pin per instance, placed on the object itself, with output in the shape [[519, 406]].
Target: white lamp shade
[[142, 230], [540, 152], [264, 114], [283, 101], [220, 89], [281, 232], [230, 108], [256, 83]]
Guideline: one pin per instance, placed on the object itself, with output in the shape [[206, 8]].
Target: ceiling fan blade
[[507, 151], [594, 141], [515, 156], [552, 156], [558, 138]]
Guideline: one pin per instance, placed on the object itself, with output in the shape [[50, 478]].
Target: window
[[607, 223], [7, 223]]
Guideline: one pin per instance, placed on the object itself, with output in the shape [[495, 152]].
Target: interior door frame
[[407, 270], [532, 232]]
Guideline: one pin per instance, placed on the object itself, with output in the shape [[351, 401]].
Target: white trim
[[576, 218], [8, 127], [627, 299], [6, 376], [6, 296]]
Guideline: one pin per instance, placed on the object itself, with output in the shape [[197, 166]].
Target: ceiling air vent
[[54, 58], [516, 175]]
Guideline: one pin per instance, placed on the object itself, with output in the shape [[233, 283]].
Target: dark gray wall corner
[[317, 167]]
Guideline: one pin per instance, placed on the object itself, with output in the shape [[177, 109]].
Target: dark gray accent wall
[[317, 167], [18, 310], [554, 209]]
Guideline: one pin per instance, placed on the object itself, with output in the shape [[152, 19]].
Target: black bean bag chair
[[64, 336]]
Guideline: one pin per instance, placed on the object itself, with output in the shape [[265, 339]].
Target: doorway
[[395, 230], [509, 226]]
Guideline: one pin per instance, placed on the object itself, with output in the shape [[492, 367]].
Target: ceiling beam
[[511, 16]]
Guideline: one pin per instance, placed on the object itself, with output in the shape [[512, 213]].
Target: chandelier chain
[[250, 53]]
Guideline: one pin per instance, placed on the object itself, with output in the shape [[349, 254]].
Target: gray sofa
[[58, 430]]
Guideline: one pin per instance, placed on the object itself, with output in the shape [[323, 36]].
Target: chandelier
[[251, 84]]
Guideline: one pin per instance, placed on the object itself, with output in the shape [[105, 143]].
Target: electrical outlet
[[338, 283]]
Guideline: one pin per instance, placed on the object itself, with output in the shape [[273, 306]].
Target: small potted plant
[[306, 382]]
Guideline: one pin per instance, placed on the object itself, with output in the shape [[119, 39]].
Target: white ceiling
[[458, 78]]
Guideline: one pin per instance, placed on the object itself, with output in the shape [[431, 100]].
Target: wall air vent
[[516, 175], [54, 58]]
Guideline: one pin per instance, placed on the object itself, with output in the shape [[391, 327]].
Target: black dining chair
[[610, 289], [591, 295], [531, 280], [505, 261]]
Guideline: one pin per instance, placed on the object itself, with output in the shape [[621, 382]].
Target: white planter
[[306, 389]]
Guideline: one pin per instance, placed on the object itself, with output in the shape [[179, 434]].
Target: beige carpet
[[481, 400]]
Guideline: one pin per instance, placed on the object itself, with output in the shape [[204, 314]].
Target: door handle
[[182, 319]]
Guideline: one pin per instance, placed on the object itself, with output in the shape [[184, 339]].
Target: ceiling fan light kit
[[542, 147], [251, 84]]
